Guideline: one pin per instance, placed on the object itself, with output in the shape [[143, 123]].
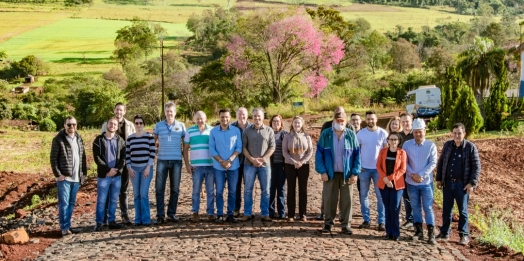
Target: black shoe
[[98, 227], [220, 219], [387, 237], [114, 225], [442, 237], [364, 224], [126, 220], [105, 221], [236, 213], [395, 238], [347, 231], [172, 218], [137, 224], [159, 221], [231, 219], [381, 227], [326, 229], [320, 217]]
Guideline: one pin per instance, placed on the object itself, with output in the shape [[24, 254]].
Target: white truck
[[424, 101]]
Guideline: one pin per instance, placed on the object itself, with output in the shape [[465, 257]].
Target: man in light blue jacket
[[337, 160]]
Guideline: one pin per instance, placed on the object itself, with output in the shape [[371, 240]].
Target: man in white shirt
[[371, 139]]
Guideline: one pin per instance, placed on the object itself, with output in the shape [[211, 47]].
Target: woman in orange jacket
[[391, 166]]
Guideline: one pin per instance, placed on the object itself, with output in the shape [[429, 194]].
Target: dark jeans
[[173, 170], [238, 197], [407, 205], [292, 174], [122, 197], [454, 191], [277, 190], [391, 199]]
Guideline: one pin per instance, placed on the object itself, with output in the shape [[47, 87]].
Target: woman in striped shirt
[[140, 156]]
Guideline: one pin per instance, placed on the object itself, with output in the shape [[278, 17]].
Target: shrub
[[433, 124], [509, 125], [23, 111], [466, 111], [5, 110], [47, 125]]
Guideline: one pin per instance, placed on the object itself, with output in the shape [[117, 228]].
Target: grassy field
[[64, 35]]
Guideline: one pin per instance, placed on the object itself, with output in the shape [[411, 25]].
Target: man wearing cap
[[337, 160], [422, 159], [458, 171]]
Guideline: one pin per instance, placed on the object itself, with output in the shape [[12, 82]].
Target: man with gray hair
[[169, 134], [199, 164], [258, 143], [242, 123]]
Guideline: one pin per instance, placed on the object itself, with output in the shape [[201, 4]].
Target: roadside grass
[[500, 229], [36, 201]]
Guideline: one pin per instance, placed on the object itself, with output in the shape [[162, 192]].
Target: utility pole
[[162, 61]]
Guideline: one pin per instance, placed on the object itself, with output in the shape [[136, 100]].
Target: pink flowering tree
[[277, 55]]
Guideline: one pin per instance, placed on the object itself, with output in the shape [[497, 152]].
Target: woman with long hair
[[297, 149], [278, 177], [140, 156], [391, 166], [394, 125]]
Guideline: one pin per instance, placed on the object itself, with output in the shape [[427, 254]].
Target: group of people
[[399, 161]]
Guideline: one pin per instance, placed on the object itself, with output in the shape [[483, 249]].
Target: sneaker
[[159, 221], [464, 240], [245, 218], [114, 225], [326, 229], [126, 220], [407, 225], [195, 218], [320, 217], [236, 213], [347, 231], [220, 219], [211, 218], [172, 218], [266, 219], [66, 232], [98, 227], [381, 227], [364, 224], [442, 237], [231, 219]]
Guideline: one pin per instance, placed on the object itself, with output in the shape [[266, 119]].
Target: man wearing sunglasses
[[125, 128], [68, 161]]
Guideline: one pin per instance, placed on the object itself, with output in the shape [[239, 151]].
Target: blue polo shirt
[[170, 139], [224, 143]]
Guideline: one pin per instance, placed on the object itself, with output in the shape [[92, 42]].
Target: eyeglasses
[[139, 123], [71, 124]]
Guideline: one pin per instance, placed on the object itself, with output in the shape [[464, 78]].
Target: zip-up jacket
[[61, 158], [470, 162], [324, 156], [99, 155]]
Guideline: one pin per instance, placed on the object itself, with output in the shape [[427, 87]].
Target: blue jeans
[[454, 191], [365, 178], [199, 175], [391, 198], [220, 182], [141, 195], [264, 177], [421, 197], [278, 189], [173, 169], [66, 202], [108, 188]]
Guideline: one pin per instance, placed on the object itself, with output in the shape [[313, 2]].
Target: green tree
[[467, 112], [404, 55], [451, 83], [30, 65], [375, 46], [480, 63], [496, 105], [5, 109], [3, 55], [134, 41], [117, 76]]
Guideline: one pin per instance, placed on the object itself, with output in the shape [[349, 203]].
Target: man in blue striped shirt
[[422, 160], [225, 144], [169, 134], [199, 164]]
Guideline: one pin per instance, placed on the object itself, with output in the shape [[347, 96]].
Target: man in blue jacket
[[458, 171], [337, 160]]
